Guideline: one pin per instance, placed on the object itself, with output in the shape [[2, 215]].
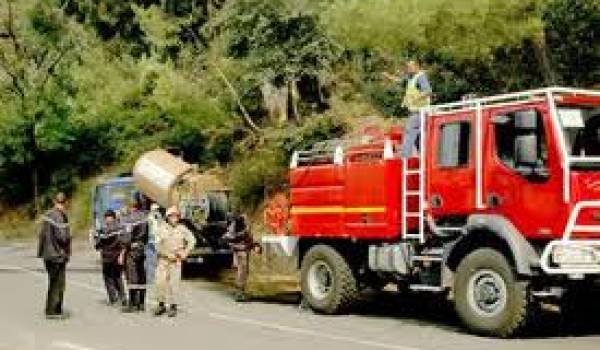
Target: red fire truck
[[501, 208]]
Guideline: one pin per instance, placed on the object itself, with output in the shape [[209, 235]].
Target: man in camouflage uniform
[[135, 239], [54, 247], [174, 242], [240, 240]]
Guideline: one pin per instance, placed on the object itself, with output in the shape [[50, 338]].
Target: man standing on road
[[418, 95], [155, 219], [110, 244], [240, 240], [135, 239], [55, 248], [174, 242]]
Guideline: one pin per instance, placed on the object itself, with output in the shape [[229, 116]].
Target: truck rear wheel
[[488, 298], [327, 281]]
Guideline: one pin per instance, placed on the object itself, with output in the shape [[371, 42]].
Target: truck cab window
[[453, 145], [520, 141], [587, 137]]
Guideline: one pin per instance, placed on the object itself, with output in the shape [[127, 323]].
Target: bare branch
[[232, 90], [11, 29], [237, 98], [50, 70]]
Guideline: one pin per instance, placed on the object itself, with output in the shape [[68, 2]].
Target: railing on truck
[[574, 256]]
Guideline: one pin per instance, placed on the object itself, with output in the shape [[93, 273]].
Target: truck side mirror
[[526, 120], [526, 150], [528, 161]]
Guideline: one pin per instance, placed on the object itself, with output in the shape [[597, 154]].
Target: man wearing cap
[[174, 242], [110, 245], [54, 247]]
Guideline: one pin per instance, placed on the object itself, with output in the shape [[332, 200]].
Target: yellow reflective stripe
[[336, 210]]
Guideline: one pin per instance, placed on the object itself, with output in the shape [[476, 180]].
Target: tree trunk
[[35, 176], [294, 99], [35, 183], [276, 102], [542, 55]]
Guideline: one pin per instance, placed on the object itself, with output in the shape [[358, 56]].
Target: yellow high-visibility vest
[[414, 99]]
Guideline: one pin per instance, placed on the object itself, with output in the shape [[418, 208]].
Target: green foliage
[[462, 28], [88, 84], [572, 29], [265, 167], [282, 44]]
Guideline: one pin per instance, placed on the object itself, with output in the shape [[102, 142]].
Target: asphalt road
[[210, 320]]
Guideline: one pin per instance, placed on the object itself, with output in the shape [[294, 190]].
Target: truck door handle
[[494, 200], [436, 201]]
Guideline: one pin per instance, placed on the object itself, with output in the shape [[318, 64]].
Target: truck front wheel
[[327, 280], [488, 298]]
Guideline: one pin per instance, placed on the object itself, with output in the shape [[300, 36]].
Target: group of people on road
[[145, 247], [148, 250]]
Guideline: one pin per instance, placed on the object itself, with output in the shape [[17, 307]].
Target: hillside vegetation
[[86, 86]]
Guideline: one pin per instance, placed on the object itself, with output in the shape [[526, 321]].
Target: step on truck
[[500, 209]]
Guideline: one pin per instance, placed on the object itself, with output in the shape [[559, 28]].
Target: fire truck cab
[[499, 209]]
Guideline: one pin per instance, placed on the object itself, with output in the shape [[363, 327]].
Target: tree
[[572, 31], [32, 49], [465, 29], [283, 46]]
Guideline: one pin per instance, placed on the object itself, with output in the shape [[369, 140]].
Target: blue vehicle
[[115, 194]]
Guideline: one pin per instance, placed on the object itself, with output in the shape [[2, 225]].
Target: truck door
[[522, 174], [452, 165]]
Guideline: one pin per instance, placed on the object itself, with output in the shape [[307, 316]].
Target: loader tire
[[327, 281], [488, 298]]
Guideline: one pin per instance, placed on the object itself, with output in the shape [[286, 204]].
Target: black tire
[[342, 289], [505, 308]]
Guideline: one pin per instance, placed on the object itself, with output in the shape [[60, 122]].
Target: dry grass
[[15, 225]]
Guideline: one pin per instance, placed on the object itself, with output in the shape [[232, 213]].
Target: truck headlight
[[575, 255]]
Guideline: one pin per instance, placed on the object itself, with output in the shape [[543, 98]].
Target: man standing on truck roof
[[135, 239], [418, 95], [174, 242], [110, 245], [54, 247], [240, 239]]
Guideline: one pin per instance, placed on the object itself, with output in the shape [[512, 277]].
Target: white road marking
[[308, 332], [69, 346], [42, 275]]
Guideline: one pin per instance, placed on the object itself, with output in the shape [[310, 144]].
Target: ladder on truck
[[409, 172]]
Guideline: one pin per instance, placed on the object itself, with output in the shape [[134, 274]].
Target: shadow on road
[[427, 311]]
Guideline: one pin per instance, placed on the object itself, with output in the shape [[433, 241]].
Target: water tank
[[157, 174]]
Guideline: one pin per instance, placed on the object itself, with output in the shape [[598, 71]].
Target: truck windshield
[[581, 127]]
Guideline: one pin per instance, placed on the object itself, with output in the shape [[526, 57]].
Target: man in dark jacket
[[54, 248], [135, 239], [110, 245], [240, 240]]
